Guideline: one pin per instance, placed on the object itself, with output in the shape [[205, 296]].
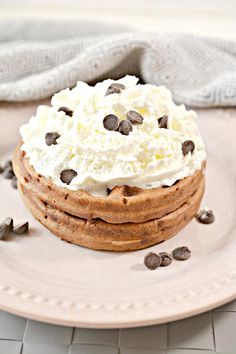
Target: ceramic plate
[[47, 279]]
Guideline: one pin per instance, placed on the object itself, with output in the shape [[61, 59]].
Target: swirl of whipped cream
[[148, 157]]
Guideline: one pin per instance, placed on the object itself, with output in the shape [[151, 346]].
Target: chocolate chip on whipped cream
[[152, 260], [125, 127], [206, 216], [115, 88], [111, 122], [66, 176], [134, 117], [66, 110], [163, 122], [181, 253], [188, 146], [51, 138]]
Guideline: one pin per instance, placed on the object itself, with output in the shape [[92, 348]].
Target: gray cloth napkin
[[39, 58]]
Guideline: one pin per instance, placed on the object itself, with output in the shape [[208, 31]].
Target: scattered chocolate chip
[[206, 217], [165, 259], [188, 146], [111, 122], [66, 176], [22, 229], [115, 88], [51, 138], [1, 169], [9, 222], [163, 122], [66, 110], [4, 231], [14, 182], [125, 127], [152, 260], [8, 164], [134, 117], [181, 253], [8, 173]]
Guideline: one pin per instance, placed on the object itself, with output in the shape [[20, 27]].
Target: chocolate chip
[[22, 229], [4, 231], [14, 182], [66, 176], [206, 217], [111, 122], [9, 222], [188, 146], [165, 259], [163, 122], [181, 253], [8, 173], [66, 110], [152, 260], [125, 127], [8, 164], [108, 191], [134, 117], [51, 138], [115, 88], [1, 169]]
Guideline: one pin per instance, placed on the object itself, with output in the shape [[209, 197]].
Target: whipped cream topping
[[148, 157]]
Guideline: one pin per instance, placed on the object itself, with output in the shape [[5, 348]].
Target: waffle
[[127, 219], [120, 206]]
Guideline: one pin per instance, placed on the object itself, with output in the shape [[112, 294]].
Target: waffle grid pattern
[[211, 332]]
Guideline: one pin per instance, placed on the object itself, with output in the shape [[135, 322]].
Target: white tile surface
[[10, 347], [195, 332], [225, 331], [96, 336], [92, 349], [150, 337], [11, 327], [32, 348], [37, 332]]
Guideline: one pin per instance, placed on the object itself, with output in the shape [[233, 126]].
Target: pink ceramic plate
[[50, 280]]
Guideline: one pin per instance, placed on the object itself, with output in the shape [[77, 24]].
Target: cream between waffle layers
[[120, 157]]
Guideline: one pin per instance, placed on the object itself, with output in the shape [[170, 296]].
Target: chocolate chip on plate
[[206, 216], [115, 88], [4, 231], [51, 138], [14, 182], [134, 117], [9, 222], [8, 164], [22, 229], [188, 146], [8, 173], [165, 259], [152, 260], [181, 253], [111, 122], [66, 176], [163, 122], [125, 127], [66, 110]]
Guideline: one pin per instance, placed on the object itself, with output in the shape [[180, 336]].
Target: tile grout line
[[119, 339], [213, 329], [23, 340], [167, 337]]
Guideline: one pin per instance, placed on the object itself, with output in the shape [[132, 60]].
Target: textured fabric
[[38, 58]]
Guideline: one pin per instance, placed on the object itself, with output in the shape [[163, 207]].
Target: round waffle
[[100, 235], [122, 205]]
